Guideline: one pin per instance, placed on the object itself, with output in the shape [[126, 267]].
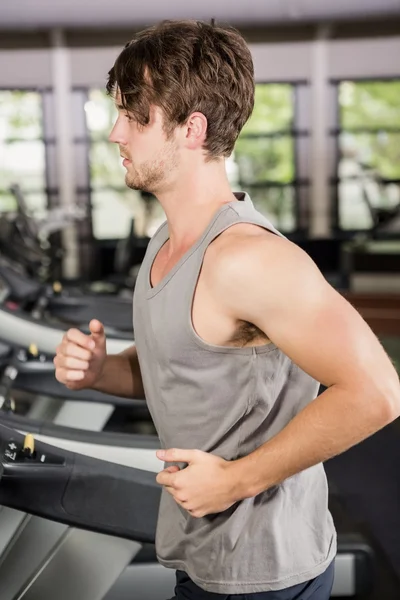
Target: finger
[[65, 376], [75, 363], [179, 455], [73, 351], [166, 479], [79, 338], [96, 328], [172, 469], [74, 375]]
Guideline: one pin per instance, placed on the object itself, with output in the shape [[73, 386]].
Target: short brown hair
[[188, 66]]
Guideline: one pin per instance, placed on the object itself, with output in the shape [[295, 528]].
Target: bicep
[[289, 299], [325, 336]]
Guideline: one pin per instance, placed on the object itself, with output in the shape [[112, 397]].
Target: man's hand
[[206, 486], [80, 358]]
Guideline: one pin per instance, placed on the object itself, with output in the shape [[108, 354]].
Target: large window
[[262, 164], [265, 154], [113, 204], [22, 149], [368, 142]]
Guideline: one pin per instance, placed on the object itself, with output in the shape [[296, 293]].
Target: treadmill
[[28, 370], [94, 505], [17, 328], [70, 306]]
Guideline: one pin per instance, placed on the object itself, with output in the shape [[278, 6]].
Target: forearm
[[121, 375], [329, 425]]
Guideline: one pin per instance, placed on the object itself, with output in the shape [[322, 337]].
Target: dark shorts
[[315, 589]]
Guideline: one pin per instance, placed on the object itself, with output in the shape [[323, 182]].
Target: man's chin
[[132, 184]]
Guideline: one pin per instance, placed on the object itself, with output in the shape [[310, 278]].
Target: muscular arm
[[272, 283], [121, 375]]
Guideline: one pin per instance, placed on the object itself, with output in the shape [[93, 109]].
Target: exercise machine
[[115, 504]]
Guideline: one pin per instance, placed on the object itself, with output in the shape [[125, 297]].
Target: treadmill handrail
[[105, 438], [46, 384], [38, 377], [20, 329], [78, 490]]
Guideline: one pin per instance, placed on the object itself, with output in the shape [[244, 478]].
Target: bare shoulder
[[248, 267], [245, 247]]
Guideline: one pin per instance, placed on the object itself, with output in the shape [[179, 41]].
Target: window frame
[[48, 141], [301, 224], [336, 132]]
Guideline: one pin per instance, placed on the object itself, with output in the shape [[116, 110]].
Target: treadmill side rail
[[78, 490]]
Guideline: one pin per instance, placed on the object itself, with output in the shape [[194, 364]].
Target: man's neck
[[190, 207]]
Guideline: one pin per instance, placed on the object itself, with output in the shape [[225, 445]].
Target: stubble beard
[[153, 175]]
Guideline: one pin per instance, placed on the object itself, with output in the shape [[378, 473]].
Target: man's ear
[[196, 130]]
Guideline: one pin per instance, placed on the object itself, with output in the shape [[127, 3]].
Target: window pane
[[7, 203], [265, 159], [358, 197], [106, 165], [354, 212], [35, 203], [277, 204], [20, 115], [23, 163], [370, 104], [379, 151], [100, 114], [273, 109], [111, 214], [113, 211]]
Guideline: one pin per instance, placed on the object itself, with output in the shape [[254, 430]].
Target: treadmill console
[[17, 452]]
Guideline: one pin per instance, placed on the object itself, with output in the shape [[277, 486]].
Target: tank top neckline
[[164, 237]]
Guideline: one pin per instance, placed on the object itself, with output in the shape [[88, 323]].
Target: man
[[234, 328]]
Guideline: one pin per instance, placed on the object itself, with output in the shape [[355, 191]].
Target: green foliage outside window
[[264, 154], [273, 109], [22, 150], [372, 105]]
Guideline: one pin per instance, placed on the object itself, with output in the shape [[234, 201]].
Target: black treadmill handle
[[76, 489], [36, 367]]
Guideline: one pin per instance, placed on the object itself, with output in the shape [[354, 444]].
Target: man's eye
[[129, 118]]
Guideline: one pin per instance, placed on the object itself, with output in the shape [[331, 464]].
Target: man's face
[[150, 158]]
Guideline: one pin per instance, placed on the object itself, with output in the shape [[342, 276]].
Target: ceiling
[[75, 14]]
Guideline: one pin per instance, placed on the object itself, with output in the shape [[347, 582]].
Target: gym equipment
[[21, 332], [77, 490], [29, 234], [385, 219], [100, 496], [33, 372], [31, 242], [20, 329], [67, 305]]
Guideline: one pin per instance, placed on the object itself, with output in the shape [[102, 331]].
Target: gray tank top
[[227, 401]]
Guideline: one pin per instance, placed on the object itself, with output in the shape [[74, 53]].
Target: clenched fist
[[80, 358]]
